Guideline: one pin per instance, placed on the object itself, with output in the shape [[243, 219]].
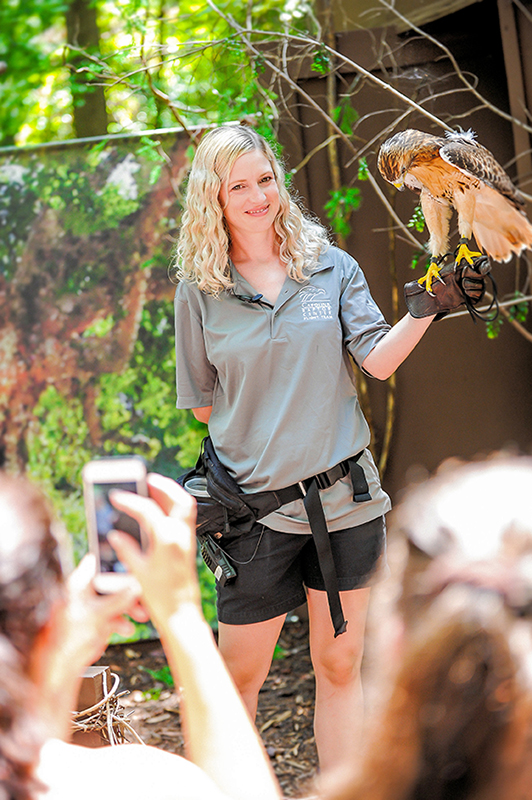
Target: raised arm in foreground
[[221, 738]]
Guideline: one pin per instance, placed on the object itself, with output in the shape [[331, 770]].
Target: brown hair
[[455, 717], [30, 581]]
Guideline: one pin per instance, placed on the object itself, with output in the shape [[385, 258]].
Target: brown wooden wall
[[459, 393]]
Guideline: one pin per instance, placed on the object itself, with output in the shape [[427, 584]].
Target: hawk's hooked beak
[[399, 184]]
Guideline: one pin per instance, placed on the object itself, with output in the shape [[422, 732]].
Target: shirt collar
[[291, 286]]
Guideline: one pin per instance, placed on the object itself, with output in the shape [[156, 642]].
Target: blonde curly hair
[[202, 252]]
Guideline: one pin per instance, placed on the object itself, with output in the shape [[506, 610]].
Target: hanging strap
[[322, 540], [358, 479], [318, 526]]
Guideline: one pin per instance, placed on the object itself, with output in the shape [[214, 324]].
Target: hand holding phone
[[167, 570], [99, 478]]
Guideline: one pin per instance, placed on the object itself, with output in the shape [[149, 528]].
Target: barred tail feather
[[501, 231]]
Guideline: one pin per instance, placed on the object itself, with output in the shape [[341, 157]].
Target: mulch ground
[[286, 703]]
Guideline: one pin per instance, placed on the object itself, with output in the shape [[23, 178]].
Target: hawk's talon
[[463, 252], [431, 274]]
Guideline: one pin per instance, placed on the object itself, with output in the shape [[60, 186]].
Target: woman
[[266, 312], [48, 633]]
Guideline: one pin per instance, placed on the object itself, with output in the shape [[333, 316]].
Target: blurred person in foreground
[[451, 717], [50, 630], [451, 630]]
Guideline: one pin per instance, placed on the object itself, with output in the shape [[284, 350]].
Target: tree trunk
[[89, 109]]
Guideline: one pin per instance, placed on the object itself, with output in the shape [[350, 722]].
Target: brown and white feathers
[[458, 172]]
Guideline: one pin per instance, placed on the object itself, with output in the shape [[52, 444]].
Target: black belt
[[309, 491]]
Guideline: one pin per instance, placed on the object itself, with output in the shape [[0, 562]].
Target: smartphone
[[99, 477]]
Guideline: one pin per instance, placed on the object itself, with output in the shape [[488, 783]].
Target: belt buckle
[[327, 479], [323, 480]]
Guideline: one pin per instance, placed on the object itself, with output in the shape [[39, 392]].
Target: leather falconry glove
[[464, 285]]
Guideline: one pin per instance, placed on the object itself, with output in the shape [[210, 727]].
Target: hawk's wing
[[474, 160]]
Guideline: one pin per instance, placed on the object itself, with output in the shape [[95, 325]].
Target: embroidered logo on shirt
[[314, 303]]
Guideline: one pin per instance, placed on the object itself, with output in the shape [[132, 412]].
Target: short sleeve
[[362, 321], [195, 376]]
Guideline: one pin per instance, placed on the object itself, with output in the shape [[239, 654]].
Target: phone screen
[[108, 518]]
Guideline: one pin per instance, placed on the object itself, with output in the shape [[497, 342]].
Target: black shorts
[[274, 568]]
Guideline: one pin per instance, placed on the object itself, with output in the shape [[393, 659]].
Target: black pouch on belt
[[220, 503], [222, 507]]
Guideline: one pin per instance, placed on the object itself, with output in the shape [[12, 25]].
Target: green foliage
[[199, 71], [279, 652], [162, 675], [208, 592], [58, 447], [321, 61], [362, 174], [82, 195], [137, 407], [345, 115], [100, 327], [151, 150], [137, 414], [15, 193], [31, 32], [518, 312], [417, 220], [493, 327], [142, 632], [418, 255], [339, 208]]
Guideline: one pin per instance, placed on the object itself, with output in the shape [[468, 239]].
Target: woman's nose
[[259, 193]]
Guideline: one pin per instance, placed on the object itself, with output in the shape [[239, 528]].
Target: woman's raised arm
[[392, 349]]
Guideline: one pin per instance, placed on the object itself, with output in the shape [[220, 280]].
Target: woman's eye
[[267, 179], [238, 186]]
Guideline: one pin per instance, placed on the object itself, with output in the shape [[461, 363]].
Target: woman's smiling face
[[250, 196]]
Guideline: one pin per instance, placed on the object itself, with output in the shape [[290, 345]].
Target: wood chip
[[176, 710], [158, 718], [276, 720], [296, 764]]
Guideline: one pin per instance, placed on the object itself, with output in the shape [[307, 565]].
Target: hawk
[[457, 172]]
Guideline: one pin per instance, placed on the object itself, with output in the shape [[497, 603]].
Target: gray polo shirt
[[281, 384]]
